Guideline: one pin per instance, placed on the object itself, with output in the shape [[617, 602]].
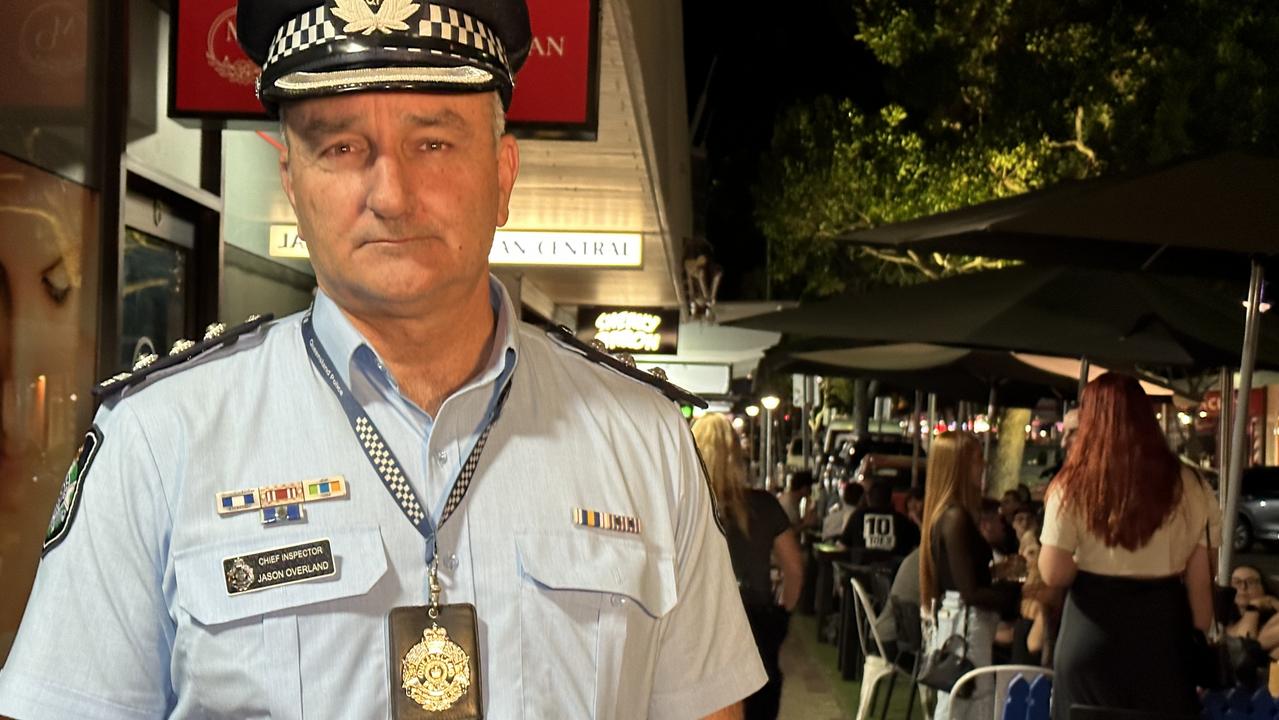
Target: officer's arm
[[707, 657], [96, 637], [732, 712]]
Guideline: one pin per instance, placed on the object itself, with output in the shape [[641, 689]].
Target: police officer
[[402, 502]]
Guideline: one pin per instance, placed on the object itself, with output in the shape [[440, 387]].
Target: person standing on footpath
[[468, 516], [758, 531], [1128, 530]]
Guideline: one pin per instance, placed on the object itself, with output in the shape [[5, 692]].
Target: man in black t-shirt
[[878, 528]]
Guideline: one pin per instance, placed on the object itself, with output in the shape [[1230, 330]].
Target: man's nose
[[388, 196]]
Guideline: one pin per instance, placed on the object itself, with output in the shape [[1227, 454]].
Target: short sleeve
[[97, 605], [707, 657], [1060, 527]]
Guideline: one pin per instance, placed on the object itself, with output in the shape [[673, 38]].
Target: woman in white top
[[1127, 529]]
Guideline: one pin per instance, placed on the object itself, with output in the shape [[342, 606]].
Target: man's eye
[[434, 145], [341, 149]]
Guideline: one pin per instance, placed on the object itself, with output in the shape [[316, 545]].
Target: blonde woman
[[954, 564], [756, 527]]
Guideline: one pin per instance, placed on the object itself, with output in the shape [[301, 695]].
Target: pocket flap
[[595, 562], [202, 586]]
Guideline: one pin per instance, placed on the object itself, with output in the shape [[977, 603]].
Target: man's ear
[[508, 168], [285, 179]]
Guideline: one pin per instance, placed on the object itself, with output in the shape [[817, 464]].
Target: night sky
[[764, 61]]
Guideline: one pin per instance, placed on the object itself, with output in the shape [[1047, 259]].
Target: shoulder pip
[[216, 336], [624, 364]]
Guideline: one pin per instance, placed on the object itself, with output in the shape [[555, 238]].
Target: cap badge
[[369, 16]]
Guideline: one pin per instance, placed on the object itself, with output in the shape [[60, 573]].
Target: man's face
[[398, 194]]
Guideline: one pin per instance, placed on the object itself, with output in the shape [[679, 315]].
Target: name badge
[[279, 566]]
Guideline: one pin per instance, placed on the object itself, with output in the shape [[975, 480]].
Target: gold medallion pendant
[[436, 671]]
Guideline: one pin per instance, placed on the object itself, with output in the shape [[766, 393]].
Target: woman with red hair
[[1127, 529]]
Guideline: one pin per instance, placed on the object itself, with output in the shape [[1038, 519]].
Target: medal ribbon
[[379, 453]]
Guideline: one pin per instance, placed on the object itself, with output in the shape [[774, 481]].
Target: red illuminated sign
[[210, 76], [556, 93]]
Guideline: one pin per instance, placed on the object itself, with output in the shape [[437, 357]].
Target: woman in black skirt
[[1128, 530]]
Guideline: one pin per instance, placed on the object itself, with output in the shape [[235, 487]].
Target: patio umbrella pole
[[932, 419], [1239, 425], [990, 430], [1223, 444], [1085, 368], [914, 438]]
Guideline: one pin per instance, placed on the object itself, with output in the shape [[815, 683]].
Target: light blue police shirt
[[130, 616]]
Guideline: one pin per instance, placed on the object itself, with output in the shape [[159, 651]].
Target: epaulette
[[625, 364], [215, 336]]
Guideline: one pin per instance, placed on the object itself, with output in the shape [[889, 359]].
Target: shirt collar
[[344, 344]]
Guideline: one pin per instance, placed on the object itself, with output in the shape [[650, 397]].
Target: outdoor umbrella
[[1203, 216], [1213, 215], [1121, 318], [949, 373]]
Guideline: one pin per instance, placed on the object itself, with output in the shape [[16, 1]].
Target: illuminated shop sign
[[585, 249], [648, 331], [517, 247], [210, 76]]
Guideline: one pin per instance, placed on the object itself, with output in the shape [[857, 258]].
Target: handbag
[[949, 662]]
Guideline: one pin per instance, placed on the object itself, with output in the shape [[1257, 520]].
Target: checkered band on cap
[[307, 30], [430, 22]]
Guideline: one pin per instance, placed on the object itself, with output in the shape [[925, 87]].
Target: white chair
[[1004, 674], [878, 666]]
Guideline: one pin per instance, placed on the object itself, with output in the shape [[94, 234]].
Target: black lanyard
[[381, 456]]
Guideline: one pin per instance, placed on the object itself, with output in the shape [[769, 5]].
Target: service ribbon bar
[[606, 521]]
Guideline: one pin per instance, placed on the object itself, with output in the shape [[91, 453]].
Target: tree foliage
[[988, 98]]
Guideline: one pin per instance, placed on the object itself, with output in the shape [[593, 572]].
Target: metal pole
[[768, 449], [1238, 431], [914, 438], [1084, 368], [1226, 382], [990, 431], [932, 418], [805, 432]]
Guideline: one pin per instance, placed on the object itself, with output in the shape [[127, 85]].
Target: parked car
[[1258, 507]]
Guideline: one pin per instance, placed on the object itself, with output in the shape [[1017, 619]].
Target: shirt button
[[618, 601], [441, 457], [451, 562]]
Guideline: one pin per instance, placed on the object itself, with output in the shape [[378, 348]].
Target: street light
[[770, 403], [752, 410]]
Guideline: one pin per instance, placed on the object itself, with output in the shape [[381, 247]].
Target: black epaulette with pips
[[215, 336], [625, 364]]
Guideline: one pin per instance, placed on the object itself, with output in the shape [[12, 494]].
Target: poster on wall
[[556, 94]]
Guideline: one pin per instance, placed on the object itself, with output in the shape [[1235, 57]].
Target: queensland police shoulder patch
[[69, 498]]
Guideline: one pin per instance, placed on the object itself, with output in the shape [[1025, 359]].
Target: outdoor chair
[[878, 666], [1082, 712], [1022, 692]]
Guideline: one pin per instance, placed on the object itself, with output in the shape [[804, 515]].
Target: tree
[[996, 97]]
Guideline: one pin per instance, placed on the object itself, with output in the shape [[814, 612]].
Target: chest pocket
[[590, 604], [253, 636]]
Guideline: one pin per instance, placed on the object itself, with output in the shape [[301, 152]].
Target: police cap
[[309, 48]]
